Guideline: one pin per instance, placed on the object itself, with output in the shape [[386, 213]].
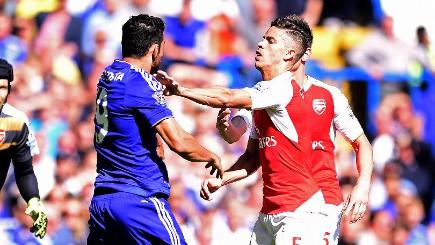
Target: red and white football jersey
[[328, 111], [281, 126]]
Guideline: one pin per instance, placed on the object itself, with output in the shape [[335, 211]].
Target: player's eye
[[270, 40]]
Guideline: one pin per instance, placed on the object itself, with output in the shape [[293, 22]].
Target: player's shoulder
[[12, 118], [142, 78], [317, 84]]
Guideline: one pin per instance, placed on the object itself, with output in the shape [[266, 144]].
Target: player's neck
[[143, 63], [272, 72], [300, 77]]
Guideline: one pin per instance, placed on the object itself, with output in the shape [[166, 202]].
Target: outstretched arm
[[357, 201], [217, 97], [186, 146]]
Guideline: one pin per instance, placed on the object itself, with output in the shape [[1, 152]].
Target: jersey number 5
[[101, 113]]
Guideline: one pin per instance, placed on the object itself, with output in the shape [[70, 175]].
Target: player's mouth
[[257, 55]]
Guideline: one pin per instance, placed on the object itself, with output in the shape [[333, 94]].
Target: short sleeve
[[144, 94], [267, 94], [344, 119]]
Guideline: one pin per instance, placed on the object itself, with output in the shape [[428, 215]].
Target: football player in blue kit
[[130, 204]]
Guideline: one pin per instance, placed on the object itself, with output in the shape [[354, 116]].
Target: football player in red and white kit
[[329, 111], [280, 139]]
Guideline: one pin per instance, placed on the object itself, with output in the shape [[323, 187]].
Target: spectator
[[380, 230], [182, 35], [12, 48], [378, 55]]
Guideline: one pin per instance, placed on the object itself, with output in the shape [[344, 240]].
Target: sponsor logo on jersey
[[160, 99], [319, 106], [317, 145], [2, 135], [268, 141]]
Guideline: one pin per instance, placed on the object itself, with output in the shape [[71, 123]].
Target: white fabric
[[303, 226], [332, 225]]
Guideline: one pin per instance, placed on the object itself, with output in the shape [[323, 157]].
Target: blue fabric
[[127, 159], [15, 233], [123, 218], [183, 35], [418, 236], [13, 50]]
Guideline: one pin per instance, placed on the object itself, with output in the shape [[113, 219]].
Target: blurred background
[[378, 52]]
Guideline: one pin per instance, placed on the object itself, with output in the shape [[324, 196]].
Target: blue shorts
[[124, 218]]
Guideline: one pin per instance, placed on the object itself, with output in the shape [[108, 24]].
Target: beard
[[155, 66]]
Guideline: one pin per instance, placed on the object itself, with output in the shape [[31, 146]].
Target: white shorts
[[304, 226], [333, 220]]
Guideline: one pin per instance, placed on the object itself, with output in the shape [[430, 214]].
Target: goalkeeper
[[17, 144]]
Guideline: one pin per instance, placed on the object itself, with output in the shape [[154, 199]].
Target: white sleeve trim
[[161, 120]]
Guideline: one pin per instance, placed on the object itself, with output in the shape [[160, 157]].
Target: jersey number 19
[[101, 116]]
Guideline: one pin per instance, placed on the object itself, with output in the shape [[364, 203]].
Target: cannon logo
[[319, 106], [2, 135]]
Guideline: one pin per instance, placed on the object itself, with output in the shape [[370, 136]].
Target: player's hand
[[216, 166], [223, 119], [208, 187], [172, 87], [356, 202], [36, 210]]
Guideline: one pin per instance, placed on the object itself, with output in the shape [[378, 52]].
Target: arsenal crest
[[319, 106], [2, 135]]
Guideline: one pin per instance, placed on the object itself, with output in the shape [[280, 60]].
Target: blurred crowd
[[60, 47]]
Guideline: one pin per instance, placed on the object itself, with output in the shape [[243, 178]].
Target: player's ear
[[154, 50], [289, 55], [306, 55]]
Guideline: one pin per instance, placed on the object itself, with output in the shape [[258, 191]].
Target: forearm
[[244, 167], [364, 161], [192, 151], [217, 97], [26, 180]]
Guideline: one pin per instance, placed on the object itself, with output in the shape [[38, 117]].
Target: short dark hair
[[6, 72], [139, 33], [421, 30], [296, 27]]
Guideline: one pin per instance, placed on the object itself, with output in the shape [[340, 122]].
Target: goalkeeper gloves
[[39, 216]]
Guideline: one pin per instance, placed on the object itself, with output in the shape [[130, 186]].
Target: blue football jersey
[[129, 104]]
